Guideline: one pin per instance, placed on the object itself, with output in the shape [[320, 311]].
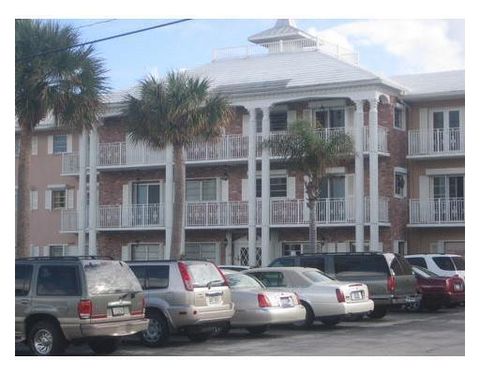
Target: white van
[[441, 264]]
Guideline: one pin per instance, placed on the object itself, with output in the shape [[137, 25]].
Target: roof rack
[[66, 258]]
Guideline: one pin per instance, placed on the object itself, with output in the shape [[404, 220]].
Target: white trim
[[57, 186], [274, 173], [335, 170], [444, 171], [330, 104], [401, 171]]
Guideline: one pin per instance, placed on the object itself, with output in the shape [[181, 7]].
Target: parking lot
[[399, 333]]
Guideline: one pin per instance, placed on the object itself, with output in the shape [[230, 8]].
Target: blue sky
[[386, 47]]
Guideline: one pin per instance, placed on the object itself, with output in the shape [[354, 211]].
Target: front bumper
[[268, 316], [118, 328]]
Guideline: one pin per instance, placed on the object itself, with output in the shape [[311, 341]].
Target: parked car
[[389, 277], [437, 291], [233, 267], [257, 308], [186, 297], [323, 297], [441, 264], [59, 300]]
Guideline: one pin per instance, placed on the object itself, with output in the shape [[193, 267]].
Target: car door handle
[[24, 301]]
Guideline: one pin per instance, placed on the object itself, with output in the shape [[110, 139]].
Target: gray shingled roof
[[433, 83]]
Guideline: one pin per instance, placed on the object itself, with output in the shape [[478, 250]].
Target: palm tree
[[176, 110], [50, 78], [311, 152]]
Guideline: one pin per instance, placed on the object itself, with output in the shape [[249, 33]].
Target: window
[[330, 118], [400, 183], [240, 281], [59, 144], [360, 263], [146, 193], [56, 250], [58, 281], [400, 266], [23, 278], [444, 263], [448, 187], [459, 263], [283, 262], [110, 277], [146, 252], [59, 199], [271, 279], [201, 251], [398, 118], [278, 121], [446, 130], [417, 261], [317, 276], [313, 262], [152, 277], [332, 187], [201, 190], [278, 187], [17, 147]]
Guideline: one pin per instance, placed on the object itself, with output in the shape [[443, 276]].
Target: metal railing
[[230, 147], [382, 139], [128, 153], [131, 216], [436, 142], [211, 214], [437, 211]]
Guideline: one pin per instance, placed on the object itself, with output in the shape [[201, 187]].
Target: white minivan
[[441, 264]]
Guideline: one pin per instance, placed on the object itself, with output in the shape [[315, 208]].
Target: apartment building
[[402, 191]]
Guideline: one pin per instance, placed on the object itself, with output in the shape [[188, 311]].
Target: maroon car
[[437, 291]]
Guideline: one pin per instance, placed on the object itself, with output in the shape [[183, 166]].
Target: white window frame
[[53, 144], [400, 171], [147, 182], [65, 203], [216, 244], [63, 246], [161, 250], [328, 109], [403, 113], [201, 180]]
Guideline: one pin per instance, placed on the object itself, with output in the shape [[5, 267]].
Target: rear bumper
[[267, 316], [388, 300], [344, 309], [185, 316], [445, 298], [119, 328]]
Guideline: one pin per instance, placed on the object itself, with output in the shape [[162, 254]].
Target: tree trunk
[[178, 227], [22, 219], [312, 233]]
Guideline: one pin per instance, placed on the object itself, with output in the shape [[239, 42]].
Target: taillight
[[85, 308], [297, 299], [391, 283], [186, 277], [263, 300], [340, 295], [450, 284], [223, 276]]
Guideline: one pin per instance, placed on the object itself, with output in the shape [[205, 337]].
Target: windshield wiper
[[210, 283], [132, 294]]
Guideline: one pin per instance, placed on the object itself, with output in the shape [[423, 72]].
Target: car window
[[241, 281], [56, 280], [317, 276], [459, 263], [157, 277], [359, 263], [23, 279], [400, 266], [271, 279], [444, 263], [204, 273], [417, 262], [110, 277], [283, 262], [141, 274], [423, 272], [313, 262]]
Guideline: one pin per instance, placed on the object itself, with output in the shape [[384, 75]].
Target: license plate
[[214, 300], [410, 299], [356, 295], [116, 311], [286, 302]]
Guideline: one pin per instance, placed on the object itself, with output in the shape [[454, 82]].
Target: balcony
[[436, 143], [127, 154], [131, 216], [437, 212]]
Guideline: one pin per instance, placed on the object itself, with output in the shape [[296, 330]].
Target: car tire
[[258, 330], [199, 336], [330, 322], [223, 331], [45, 338], [157, 332], [104, 346], [309, 317], [378, 312]]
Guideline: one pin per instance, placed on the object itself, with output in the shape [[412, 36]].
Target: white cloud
[[419, 45]]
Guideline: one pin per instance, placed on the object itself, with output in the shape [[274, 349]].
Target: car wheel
[[222, 331], [157, 332], [104, 346], [330, 322], [199, 336], [309, 317], [378, 312], [46, 338], [258, 330]]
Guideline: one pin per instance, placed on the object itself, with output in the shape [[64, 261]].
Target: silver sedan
[[256, 308]]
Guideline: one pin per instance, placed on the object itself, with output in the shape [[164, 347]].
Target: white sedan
[[324, 298], [256, 308]]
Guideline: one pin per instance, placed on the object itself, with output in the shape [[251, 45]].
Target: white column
[[168, 199], [82, 191], [373, 166], [228, 249], [266, 252], [252, 195], [359, 178], [93, 204]]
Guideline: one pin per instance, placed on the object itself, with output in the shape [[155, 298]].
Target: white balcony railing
[[436, 142], [131, 216], [212, 214], [230, 147], [70, 163], [437, 211], [382, 139], [128, 154]]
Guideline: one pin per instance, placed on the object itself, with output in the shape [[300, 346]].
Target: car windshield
[[109, 277], [204, 274], [423, 272], [444, 263], [317, 276], [459, 263], [241, 281]]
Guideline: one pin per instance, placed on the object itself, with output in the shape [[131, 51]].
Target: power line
[[48, 52], [96, 23]]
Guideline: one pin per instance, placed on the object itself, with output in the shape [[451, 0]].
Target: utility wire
[[96, 23], [48, 52]]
